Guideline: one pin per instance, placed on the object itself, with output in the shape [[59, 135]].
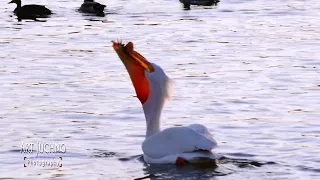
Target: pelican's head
[[146, 77]]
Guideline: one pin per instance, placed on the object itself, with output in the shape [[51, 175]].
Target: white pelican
[[175, 145]]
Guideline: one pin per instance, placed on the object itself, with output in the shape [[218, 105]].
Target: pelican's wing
[[177, 140]]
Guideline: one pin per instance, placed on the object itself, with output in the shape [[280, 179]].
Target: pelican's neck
[[152, 109]]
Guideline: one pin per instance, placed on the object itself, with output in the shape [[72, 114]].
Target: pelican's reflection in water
[[224, 166], [189, 171]]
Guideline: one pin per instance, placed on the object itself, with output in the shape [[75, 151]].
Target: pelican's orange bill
[[126, 51], [135, 64]]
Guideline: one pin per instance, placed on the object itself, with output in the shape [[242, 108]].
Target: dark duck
[[187, 3], [30, 11], [90, 6]]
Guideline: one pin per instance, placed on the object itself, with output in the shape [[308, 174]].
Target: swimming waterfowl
[[90, 6], [176, 145], [187, 3], [30, 11]]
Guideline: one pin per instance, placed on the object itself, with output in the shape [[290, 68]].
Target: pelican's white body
[[192, 143], [184, 142]]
